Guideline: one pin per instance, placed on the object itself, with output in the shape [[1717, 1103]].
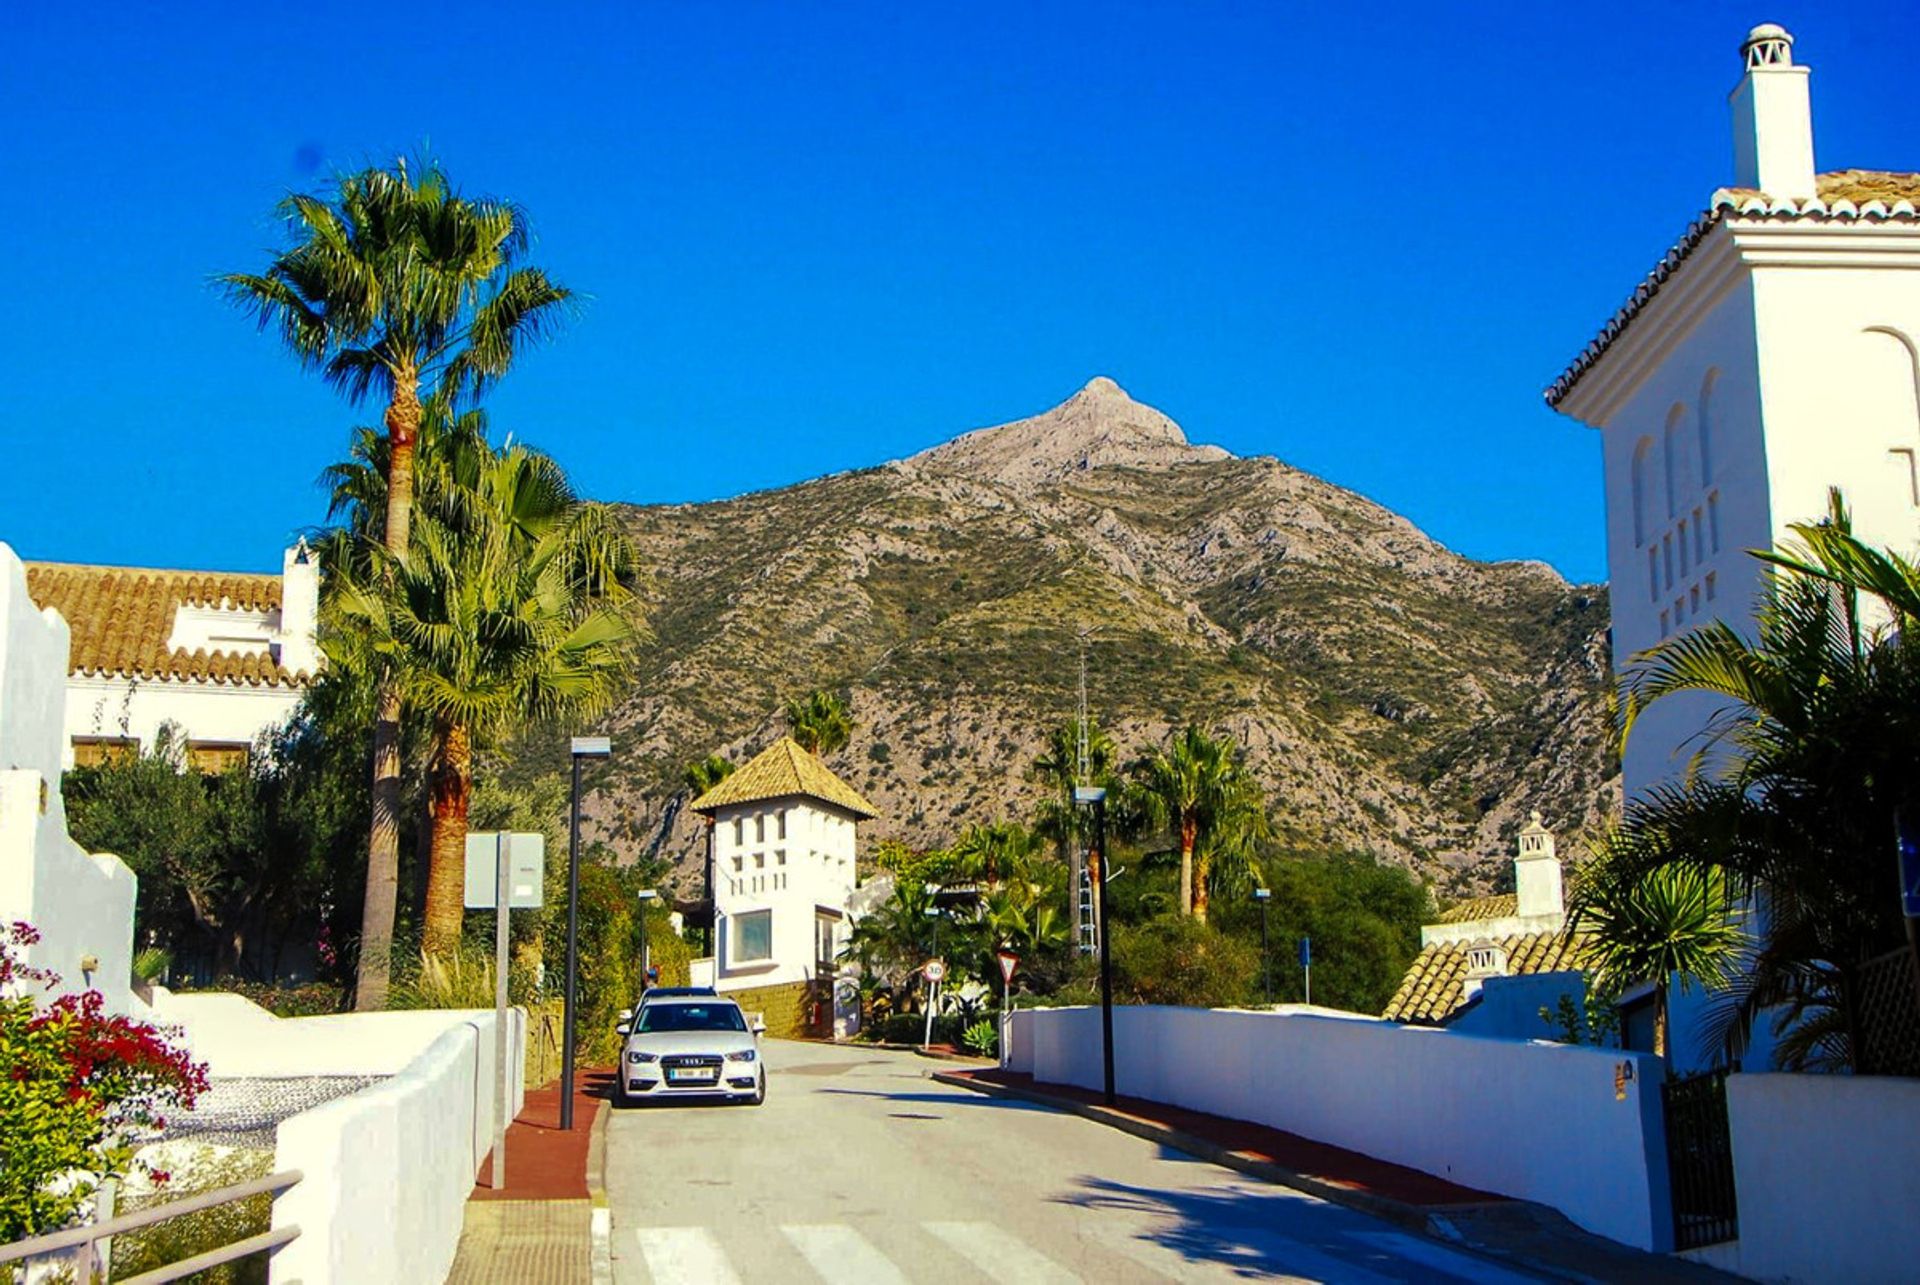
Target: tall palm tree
[[819, 721], [1657, 925], [507, 611], [994, 853], [1198, 789], [1800, 776], [703, 774], [1057, 767], [395, 283]]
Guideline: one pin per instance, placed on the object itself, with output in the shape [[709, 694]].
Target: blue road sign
[[1306, 952]]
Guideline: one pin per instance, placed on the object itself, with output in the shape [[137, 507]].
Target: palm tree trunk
[[451, 791], [1660, 1018], [383, 838], [1202, 868], [1189, 831]]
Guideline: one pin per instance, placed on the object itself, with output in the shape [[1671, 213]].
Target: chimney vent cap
[[1767, 45]]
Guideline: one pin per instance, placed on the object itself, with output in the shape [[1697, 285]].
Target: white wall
[[1535, 1121], [236, 1037], [81, 904], [1828, 1178], [819, 871], [234, 713], [388, 1170]]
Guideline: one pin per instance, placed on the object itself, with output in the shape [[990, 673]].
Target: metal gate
[[1700, 1161]]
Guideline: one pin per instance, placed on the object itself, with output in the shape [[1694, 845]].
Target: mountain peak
[[1098, 427]]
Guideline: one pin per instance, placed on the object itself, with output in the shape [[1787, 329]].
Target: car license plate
[[693, 1073]]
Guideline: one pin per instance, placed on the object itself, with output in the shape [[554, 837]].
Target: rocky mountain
[[1391, 694]]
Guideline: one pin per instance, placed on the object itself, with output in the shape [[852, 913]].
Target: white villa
[[223, 655], [784, 832], [1773, 353]]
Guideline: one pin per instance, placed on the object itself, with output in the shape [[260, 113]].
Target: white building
[[784, 841], [1773, 353], [225, 656]]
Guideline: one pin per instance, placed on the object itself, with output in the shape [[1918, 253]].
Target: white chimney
[[1536, 872], [1772, 118], [296, 642]]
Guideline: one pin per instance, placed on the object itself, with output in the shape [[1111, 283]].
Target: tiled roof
[[122, 617], [1435, 982], [1844, 196], [1497, 907], [783, 770]]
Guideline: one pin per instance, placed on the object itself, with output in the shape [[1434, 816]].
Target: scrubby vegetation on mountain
[[1389, 695]]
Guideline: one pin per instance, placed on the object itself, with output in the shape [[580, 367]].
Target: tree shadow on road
[[1262, 1233]]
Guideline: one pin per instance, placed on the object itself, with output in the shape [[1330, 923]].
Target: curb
[[1434, 1223], [600, 1264]]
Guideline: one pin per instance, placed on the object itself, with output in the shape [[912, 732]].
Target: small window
[[215, 757], [752, 936], [1710, 586], [739, 831], [1666, 558], [823, 944], [780, 857], [780, 824], [1713, 521], [1653, 574], [760, 828], [1684, 551], [92, 751], [1693, 601], [1664, 627], [1699, 537], [1679, 611], [759, 861], [739, 864]]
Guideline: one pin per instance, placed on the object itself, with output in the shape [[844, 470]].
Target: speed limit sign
[[933, 970]]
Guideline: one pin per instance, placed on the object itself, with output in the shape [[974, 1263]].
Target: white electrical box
[[526, 869]]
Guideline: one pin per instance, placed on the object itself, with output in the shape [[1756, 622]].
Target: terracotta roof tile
[[783, 770], [122, 617], [1436, 980], [1496, 907], [1845, 196]]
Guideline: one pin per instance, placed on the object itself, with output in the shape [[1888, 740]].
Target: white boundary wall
[[1827, 1168], [389, 1169], [1527, 1119]]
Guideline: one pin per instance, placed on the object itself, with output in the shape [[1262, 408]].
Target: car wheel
[[759, 1092]]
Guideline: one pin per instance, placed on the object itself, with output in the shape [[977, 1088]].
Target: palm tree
[[507, 611], [1797, 782], [1198, 789], [1057, 767], [703, 774], [396, 283], [994, 853], [1654, 925], [820, 722]]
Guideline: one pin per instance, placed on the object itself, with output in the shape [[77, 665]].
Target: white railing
[[77, 1244]]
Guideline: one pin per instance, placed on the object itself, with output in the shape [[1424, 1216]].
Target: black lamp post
[[1096, 797], [584, 747], [646, 896], [1263, 896]]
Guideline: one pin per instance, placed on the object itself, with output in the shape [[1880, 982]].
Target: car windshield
[[655, 1018]]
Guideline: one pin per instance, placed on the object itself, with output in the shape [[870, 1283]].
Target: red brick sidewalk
[[545, 1162], [1333, 1166]]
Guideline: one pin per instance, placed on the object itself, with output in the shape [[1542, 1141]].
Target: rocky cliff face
[[1391, 694]]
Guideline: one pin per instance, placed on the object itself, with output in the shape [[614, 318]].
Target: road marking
[[1005, 1260], [685, 1256], [841, 1254], [1417, 1249]]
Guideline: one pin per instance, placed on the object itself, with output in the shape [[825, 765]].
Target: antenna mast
[[1083, 762]]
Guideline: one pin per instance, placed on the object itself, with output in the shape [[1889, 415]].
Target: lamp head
[[1261, 894], [592, 747], [1089, 794]]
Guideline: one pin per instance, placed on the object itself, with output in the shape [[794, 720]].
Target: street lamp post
[[584, 747], [646, 896], [1096, 797], [1263, 896]]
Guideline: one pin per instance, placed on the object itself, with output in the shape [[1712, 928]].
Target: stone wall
[[782, 1007]]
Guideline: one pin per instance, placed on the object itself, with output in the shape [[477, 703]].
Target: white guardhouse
[[224, 656], [1773, 353], [784, 837]]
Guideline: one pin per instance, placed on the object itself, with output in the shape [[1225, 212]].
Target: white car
[[692, 1047]]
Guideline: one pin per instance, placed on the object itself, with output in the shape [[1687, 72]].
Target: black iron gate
[[1700, 1161]]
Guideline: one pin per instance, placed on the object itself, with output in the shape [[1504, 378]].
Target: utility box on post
[[526, 869]]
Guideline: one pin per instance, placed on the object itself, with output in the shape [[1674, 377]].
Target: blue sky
[[1360, 238]]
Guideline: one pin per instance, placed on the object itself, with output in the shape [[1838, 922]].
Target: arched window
[[1707, 426], [1674, 457], [1642, 457]]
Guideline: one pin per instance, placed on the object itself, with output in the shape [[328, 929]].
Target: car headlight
[[636, 1055], [744, 1055]]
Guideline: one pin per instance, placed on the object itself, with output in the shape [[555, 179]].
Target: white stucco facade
[[81, 904], [783, 880], [1774, 354]]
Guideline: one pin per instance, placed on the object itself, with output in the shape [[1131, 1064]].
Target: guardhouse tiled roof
[[1495, 907], [783, 770], [1435, 984], [1843, 196], [122, 617]]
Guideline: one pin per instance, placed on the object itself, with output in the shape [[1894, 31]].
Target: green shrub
[[983, 1037], [1179, 961], [190, 1234], [304, 999]]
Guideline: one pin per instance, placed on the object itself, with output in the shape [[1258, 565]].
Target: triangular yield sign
[[1008, 962]]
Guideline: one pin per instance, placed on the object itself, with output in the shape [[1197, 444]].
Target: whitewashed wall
[[1535, 1121], [82, 904], [236, 713], [819, 871], [1827, 1168], [389, 1169]]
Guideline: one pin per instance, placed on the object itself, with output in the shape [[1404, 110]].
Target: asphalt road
[[860, 1169]]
